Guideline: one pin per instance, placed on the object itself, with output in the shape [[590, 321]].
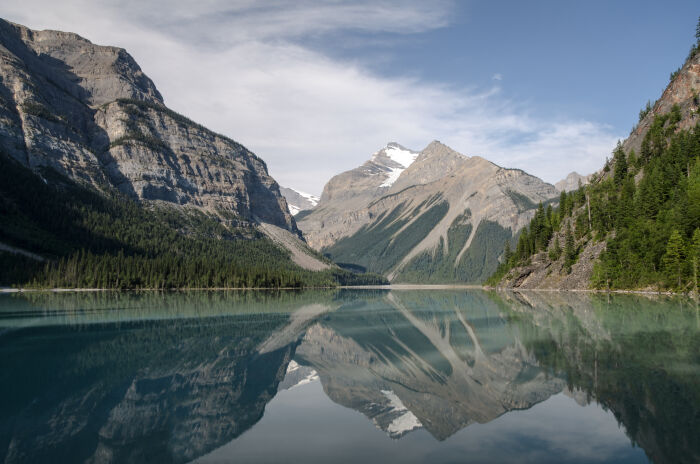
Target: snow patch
[[399, 156], [295, 209], [313, 199], [406, 421], [308, 378], [292, 366]]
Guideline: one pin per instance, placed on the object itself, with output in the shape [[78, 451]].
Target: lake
[[343, 376]]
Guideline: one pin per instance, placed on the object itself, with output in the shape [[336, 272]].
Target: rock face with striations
[[572, 182], [434, 215], [90, 113]]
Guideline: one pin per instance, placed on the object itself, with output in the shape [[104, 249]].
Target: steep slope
[[91, 114], [341, 210], [443, 219], [84, 118], [298, 201], [637, 224]]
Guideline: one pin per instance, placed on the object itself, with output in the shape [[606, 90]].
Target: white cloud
[[497, 77], [240, 71]]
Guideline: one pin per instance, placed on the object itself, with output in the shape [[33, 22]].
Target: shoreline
[[390, 287]]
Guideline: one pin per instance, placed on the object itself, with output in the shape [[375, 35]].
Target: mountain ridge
[[83, 126], [434, 204]]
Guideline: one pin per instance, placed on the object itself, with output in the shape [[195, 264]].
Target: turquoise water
[[349, 376]]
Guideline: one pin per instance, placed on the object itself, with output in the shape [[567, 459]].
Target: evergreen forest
[[645, 206], [90, 239]]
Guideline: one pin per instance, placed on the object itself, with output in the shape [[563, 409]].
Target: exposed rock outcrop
[[90, 113], [572, 182]]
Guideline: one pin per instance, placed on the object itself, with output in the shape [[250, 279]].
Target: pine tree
[[562, 205], [620, 161], [673, 259], [569, 249], [695, 257], [555, 250], [507, 253]]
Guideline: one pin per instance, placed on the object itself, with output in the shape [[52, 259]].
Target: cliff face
[[572, 181], [443, 216], [681, 91], [90, 113]]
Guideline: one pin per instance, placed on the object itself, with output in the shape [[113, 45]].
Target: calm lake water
[[348, 376]]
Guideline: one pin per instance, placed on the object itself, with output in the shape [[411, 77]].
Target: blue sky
[[597, 60], [315, 87]]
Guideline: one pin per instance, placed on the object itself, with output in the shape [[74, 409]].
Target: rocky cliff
[[90, 113], [682, 91], [435, 214], [572, 182]]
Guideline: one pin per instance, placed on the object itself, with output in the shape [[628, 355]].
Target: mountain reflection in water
[[438, 376]]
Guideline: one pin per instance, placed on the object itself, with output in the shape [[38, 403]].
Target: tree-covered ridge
[[106, 241], [645, 206]]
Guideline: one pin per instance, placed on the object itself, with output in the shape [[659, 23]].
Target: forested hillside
[[89, 239], [644, 206]]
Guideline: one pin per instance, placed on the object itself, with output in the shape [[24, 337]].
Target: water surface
[[348, 376]]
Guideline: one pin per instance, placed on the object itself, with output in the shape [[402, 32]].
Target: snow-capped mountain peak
[[396, 159], [298, 201]]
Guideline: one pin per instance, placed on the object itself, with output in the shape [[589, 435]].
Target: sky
[[316, 87]]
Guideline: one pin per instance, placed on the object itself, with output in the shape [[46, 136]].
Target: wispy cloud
[[240, 69]]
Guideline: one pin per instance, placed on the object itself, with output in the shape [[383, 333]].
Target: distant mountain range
[[572, 182], [298, 201], [429, 216]]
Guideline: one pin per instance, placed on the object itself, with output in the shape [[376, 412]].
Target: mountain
[[429, 216], [636, 225], [572, 182], [348, 194], [95, 165], [91, 114], [298, 201]]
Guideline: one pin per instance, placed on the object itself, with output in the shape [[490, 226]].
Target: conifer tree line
[[96, 240], [645, 206]]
